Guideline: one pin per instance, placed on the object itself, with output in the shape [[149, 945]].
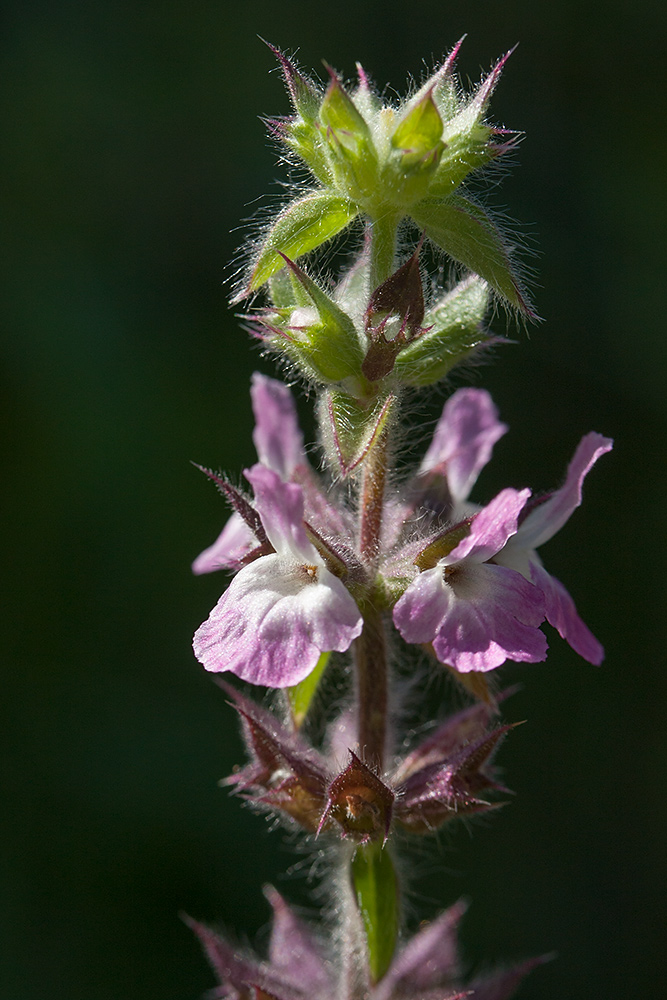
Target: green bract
[[469, 236]]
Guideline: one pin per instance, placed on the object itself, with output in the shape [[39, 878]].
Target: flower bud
[[386, 163], [349, 144], [416, 151]]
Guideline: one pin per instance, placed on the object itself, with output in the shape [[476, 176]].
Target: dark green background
[[132, 147]]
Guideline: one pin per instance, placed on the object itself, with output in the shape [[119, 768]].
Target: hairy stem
[[370, 656], [370, 651]]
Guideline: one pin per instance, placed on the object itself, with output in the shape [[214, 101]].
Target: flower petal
[[492, 619], [423, 606], [491, 528], [234, 542], [274, 620], [280, 506], [549, 517], [476, 618], [277, 436], [562, 614], [463, 440]]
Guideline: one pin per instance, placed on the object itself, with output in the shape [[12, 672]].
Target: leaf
[[465, 232], [353, 429], [375, 887], [301, 227], [301, 695]]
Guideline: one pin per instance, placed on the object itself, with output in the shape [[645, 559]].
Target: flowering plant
[[356, 557]]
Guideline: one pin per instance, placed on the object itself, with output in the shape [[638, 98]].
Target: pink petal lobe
[[491, 528], [494, 618], [548, 517], [277, 436], [476, 616], [234, 542], [274, 620], [463, 440], [423, 606], [562, 614]]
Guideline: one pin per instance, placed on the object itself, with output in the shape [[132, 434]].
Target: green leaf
[[465, 232], [301, 227], [353, 429], [375, 886], [301, 695]]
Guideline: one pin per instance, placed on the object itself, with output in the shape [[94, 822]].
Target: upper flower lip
[[546, 518], [490, 529]]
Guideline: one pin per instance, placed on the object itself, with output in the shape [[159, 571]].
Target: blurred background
[[132, 151]]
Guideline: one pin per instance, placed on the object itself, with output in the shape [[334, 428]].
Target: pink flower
[[476, 614], [283, 609], [542, 520]]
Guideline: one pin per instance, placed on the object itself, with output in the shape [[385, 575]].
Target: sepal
[[393, 318], [240, 503], [444, 784], [305, 98], [316, 334], [349, 143], [428, 961], [360, 802], [467, 139], [350, 430], [503, 983], [284, 774]]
